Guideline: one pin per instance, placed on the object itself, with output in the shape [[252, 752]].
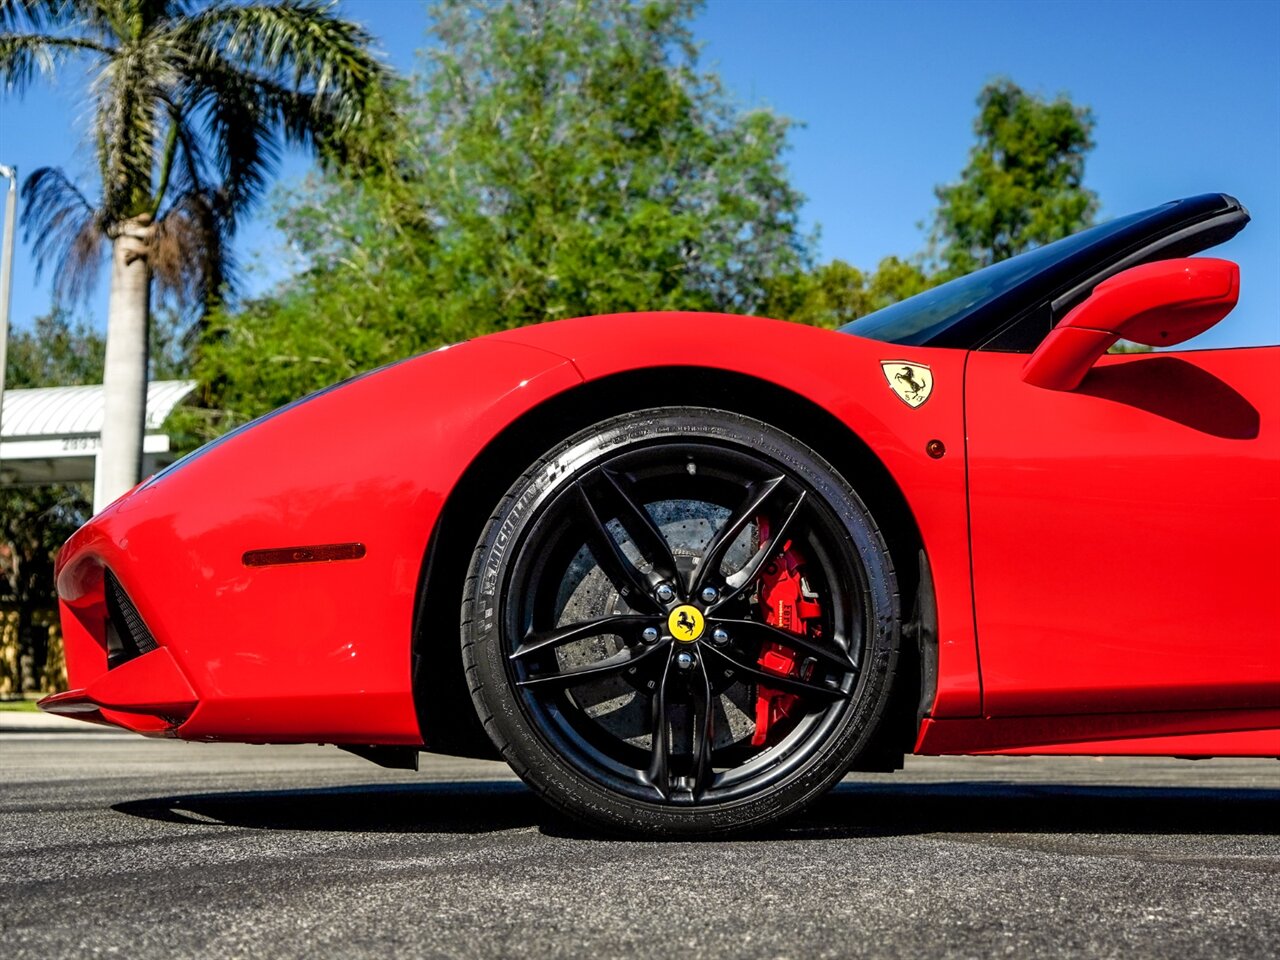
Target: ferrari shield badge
[[686, 623], [912, 382]]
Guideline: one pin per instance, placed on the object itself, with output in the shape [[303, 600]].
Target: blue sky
[[1186, 96]]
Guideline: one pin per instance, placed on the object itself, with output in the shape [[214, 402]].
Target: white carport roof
[[54, 412], [52, 434]]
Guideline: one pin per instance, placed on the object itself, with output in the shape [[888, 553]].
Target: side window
[[1024, 335]]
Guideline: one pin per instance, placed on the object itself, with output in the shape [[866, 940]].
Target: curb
[[23, 722]]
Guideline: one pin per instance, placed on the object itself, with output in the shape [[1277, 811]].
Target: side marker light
[[321, 553]]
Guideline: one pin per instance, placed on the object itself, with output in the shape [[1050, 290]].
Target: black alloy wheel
[[632, 625]]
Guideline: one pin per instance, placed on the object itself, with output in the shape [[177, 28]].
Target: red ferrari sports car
[[685, 571]]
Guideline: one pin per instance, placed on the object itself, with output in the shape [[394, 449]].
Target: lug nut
[[649, 634], [710, 594], [719, 636], [665, 593], [685, 660]]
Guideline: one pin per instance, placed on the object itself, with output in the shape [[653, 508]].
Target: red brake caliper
[[786, 604]]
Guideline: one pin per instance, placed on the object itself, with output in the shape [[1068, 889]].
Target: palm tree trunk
[[124, 377]]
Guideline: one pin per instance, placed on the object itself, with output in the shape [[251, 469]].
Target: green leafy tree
[[586, 165], [837, 293], [560, 159], [34, 523], [826, 296], [897, 279], [189, 107], [1023, 185], [56, 351]]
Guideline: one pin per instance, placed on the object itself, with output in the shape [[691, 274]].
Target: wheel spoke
[[713, 557], [636, 521], [620, 661], [603, 497], [658, 775], [633, 586], [579, 631], [703, 732], [738, 581], [762, 633], [805, 688]]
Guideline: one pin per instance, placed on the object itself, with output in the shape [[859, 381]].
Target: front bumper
[[119, 674], [148, 695]]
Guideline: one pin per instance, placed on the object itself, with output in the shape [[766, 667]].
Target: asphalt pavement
[[115, 845]]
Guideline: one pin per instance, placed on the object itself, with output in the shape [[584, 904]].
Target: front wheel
[[680, 621]]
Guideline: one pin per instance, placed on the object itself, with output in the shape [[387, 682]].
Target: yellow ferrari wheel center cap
[[686, 623]]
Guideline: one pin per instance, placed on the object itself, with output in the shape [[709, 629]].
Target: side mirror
[[1157, 304]]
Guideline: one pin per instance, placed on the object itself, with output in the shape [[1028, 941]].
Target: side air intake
[[127, 635]]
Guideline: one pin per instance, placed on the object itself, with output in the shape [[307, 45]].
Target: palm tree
[[191, 104]]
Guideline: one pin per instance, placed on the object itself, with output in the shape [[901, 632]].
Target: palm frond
[[24, 56], [193, 169], [260, 72], [237, 127], [298, 46], [65, 231], [130, 92], [192, 106], [34, 14], [190, 255], [150, 13]]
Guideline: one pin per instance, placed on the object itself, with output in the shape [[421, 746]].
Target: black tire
[[652, 494]]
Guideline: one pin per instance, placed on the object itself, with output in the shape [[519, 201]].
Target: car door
[[1125, 541]]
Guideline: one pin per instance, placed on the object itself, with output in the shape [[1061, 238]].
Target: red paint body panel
[[842, 374], [1124, 534], [1221, 733]]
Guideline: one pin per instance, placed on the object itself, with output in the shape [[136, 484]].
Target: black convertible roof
[[1013, 304]]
